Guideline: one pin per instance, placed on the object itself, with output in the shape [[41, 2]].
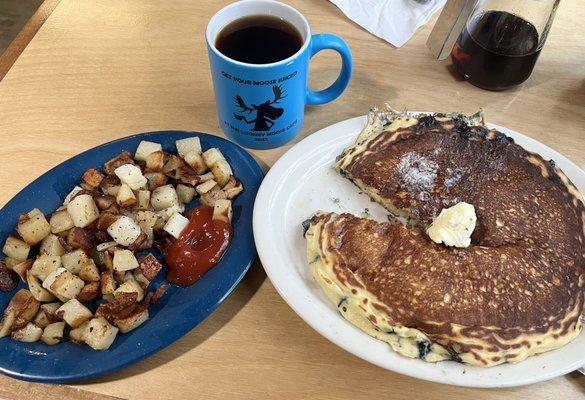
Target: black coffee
[[259, 39], [496, 50]]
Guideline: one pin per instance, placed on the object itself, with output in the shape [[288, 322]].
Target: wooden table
[[102, 69]]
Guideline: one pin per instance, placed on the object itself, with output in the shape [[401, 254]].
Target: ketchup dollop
[[201, 245]]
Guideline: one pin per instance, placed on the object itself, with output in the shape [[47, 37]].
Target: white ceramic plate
[[302, 182]]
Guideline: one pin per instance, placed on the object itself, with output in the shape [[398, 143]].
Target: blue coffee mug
[[261, 106]]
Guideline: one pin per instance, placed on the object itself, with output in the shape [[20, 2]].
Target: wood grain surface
[[102, 69]]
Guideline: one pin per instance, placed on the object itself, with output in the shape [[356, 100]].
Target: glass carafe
[[501, 41]]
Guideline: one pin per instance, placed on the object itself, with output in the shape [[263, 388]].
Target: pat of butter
[[454, 225]]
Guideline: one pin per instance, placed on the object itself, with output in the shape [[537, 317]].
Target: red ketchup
[[201, 245]]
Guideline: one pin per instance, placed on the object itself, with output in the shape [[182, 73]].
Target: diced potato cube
[[111, 189], [205, 186], [74, 260], [209, 198], [155, 179], [63, 284], [124, 231], [125, 196], [165, 214], [89, 272], [11, 262], [145, 148], [16, 248], [164, 197], [212, 156], [188, 145], [33, 227], [61, 221], [206, 177], [92, 178], [37, 290], [77, 335], [130, 286], [143, 199], [22, 268], [44, 265], [53, 333], [222, 172], [175, 224], [195, 161], [46, 314], [140, 278], [21, 309], [83, 210], [131, 175], [145, 219], [124, 260], [107, 283], [90, 292], [185, 193], [99, 334], [232, 192], [132, 321], [71, 194], [74, 313], [222, 210], [51, 246], [30, 333], [155, 162]]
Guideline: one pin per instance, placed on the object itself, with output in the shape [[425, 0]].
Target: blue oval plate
[[179, 310]]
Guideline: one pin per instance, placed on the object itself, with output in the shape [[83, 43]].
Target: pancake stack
[[516, 291]]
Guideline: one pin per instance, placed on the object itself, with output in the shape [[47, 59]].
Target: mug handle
[[326, 41]]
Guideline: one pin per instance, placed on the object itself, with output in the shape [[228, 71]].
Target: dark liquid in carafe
[[496, 50], [259, 39]]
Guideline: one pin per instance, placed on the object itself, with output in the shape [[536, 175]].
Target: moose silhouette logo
[[266, 114]]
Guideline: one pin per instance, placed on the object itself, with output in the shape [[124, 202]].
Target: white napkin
[[393, 20]]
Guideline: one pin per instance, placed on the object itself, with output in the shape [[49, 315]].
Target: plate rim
[[274, 178], [173, 335]]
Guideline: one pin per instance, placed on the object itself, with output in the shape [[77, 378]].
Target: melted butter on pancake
[[454, 225]]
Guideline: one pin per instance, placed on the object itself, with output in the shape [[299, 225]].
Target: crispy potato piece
[[130, 286], [155, 161], [140, 278], [99, 334], [104, 201], [137, 244], [188, 145], [44, 265], [195, 161], [75, 260], [77, 335], [185, 193], [124, 231], [21, 310], [110, 185], [137, 317], [11, 262], [154, 297], [38, 292], [83, 210], [22, 268], [150, 266], [90, 292], [79, 238], [16, 248], [8, 278], [126, 197], [222, 210], [93, 178], [155, 180], [89, 272], [176, 224], [107, 283], [105, 220], [47, 314], [51, 246], [74, 313], [209, 198], [131, 175], [211, 156], [124, 260], [63, 284], [145, 148], [121, 159], [221, 171], [143, 199], [29, 333], [120, 306], [33, 227], [53, 333], [206, 186], [71, 195], [164, 197]]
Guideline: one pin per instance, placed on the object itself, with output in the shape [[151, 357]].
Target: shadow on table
[[219, 318]]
